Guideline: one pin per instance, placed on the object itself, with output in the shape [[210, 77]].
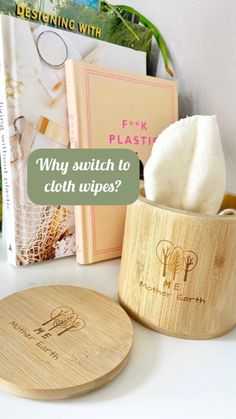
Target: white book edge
[[7, 190]]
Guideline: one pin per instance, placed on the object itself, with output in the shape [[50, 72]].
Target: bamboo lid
[[61, 341]]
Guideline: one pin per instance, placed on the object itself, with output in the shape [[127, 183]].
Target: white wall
[[201, 35]]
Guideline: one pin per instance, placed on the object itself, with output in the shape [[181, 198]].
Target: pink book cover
[[112, 109]]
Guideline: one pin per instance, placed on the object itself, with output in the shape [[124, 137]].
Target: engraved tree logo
[[164, 250], [190, 263], [65, 317], [176, 261], [58, 312]]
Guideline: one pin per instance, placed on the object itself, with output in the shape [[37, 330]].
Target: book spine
[[83, 241], [8, 200]]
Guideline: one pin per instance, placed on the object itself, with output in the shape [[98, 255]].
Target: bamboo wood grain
[[178, 270], [60, 341]]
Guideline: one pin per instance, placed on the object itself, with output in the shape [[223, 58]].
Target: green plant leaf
[[156, 33], [116, 11]]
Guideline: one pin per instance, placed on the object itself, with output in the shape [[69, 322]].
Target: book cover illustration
[[7, 5], [94, 4], [113, 109], [86, 17], [34, 78]]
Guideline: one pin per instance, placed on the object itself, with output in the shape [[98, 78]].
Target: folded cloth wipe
[[186, 169]]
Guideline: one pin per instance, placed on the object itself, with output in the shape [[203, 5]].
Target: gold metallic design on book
[[53, 131]]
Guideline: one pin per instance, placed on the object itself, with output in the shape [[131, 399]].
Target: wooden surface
[[178, 270], [159, 368], [60, 341]]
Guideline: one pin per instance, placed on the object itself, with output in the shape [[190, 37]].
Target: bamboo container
[[178, 270]]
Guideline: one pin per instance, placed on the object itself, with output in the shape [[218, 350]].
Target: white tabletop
[[166, 377]]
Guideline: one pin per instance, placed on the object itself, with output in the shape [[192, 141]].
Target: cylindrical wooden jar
[[178, 270]]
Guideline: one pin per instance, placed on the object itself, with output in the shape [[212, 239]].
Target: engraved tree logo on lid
[[66, 319]]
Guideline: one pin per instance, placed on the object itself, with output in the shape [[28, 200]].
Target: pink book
[[113, 109]]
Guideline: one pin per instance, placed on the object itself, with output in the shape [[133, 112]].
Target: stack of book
[[111, 103]]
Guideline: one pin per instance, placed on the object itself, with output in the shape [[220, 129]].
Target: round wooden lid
[[61, 341]]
